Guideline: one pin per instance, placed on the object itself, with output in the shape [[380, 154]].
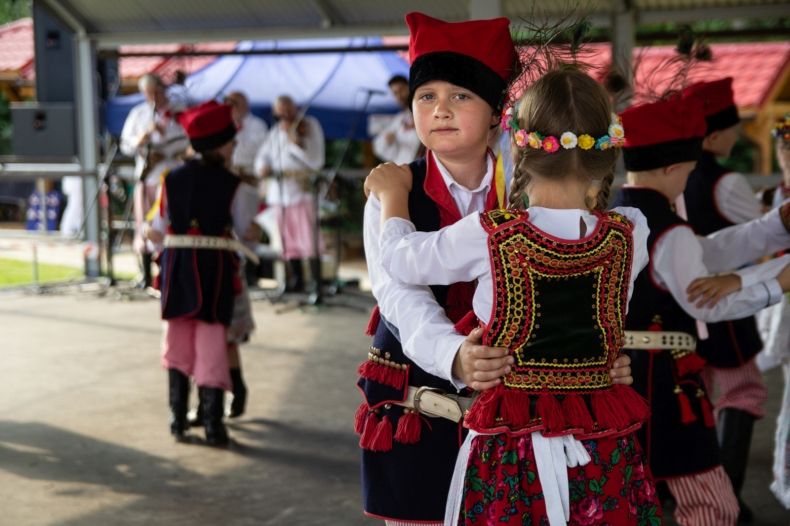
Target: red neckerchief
[[459, 295]]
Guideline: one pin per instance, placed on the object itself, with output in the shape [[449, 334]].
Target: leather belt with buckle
[[659, 340], [431, 401]]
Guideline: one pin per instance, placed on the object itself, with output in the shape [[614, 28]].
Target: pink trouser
[[704, 499], [198, 349], [739, 387]]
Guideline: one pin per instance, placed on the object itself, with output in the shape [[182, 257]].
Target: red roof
[[16, 47], [755, 68]]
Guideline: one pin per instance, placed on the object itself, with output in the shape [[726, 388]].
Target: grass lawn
[[14, 273]]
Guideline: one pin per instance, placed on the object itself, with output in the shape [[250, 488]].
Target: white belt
[[435, 402], [659, 340], [211, 243]]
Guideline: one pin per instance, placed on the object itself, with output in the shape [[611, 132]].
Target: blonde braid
[[602, 199]]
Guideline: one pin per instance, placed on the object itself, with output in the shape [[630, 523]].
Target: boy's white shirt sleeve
[[641, 231], [738, 245], [456, 253], [678, 259], [735, 199], [427, 336]]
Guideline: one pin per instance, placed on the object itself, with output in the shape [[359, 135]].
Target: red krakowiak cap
[[662, 133], [475, 54], [717, 102], [208, 125]]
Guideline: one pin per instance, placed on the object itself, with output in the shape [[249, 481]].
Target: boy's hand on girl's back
[[481, 367], [707, 292], [388, 177]]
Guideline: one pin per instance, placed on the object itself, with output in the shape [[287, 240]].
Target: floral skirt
[[502, 487]]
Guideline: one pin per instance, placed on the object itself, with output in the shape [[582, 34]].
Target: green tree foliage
[[11, 10]]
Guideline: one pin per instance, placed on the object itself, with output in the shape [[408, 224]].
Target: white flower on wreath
[[616, 131], [569, 140]]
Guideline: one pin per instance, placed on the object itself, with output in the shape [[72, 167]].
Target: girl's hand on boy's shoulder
[[707, 292], [388, 177]]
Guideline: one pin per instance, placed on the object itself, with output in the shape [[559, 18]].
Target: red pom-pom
[[359, 417], [409, 428], [369, 430], [706, 409], [687, 415], [373, 322], [550, 411], [382, 438], [577, 414]]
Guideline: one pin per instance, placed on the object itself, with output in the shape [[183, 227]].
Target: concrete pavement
[[84, 423]]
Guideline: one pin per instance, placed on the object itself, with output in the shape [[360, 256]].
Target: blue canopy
[[334, 86]]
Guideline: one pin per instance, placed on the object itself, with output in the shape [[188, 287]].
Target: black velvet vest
[[734, 342]]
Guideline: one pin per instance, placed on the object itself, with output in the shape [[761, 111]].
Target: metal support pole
[[485, 9], [87, 117], [623, 40]]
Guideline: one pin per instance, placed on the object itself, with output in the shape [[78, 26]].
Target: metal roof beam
[[712, 13], [328, 13]]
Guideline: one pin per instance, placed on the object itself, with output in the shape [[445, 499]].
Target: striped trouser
[[704, 499], [739, 387]]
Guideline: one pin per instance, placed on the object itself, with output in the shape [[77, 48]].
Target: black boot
[[315, 273], [197, 419], [147, 272], [179, 399], [239, 393], [296, 280], [212, 400], [735, 438]]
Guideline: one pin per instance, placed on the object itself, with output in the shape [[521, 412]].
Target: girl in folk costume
[[663, 144], [409, 421], [553, 442], [715, 198], [200, 269]]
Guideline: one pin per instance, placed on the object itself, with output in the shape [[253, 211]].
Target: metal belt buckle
[[418, 394]]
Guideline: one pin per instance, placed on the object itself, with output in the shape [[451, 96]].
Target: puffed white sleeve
[[640, 234], [454, 254]]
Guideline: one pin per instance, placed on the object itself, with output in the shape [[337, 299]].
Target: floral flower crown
[[568, 140], [781, 129]]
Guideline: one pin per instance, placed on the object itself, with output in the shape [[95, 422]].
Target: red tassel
[[467, 324], [373, 322], [359, 417], [609, 412], [382, 439], [409, 428], [687, 416], [550, 411], [369, 431], [636, 408], [514, 408], [383, 374], [576, 413], [688, 364], [707, 410], [485, 409]]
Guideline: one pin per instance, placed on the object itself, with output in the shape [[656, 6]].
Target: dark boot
[[296, 279], [179, 399], [197, 419], [239, 393], [147, 272], [315, 273], [735, 438], [212, 400]]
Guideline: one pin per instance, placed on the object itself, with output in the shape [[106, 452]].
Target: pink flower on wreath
[[551, 144], [589, 511], [504, 122], [521, 138]]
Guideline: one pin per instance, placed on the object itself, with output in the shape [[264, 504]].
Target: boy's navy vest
[[730, 343], [199, 283], [406, 481], [680, 438]]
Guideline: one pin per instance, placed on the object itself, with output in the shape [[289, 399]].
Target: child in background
[[664, 141], [553, 441]]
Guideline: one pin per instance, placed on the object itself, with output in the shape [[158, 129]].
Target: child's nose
[[442, 108]]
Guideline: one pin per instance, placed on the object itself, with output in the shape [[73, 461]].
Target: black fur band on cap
[[460, 70], [723, 119], [653, 156], [209, 142]]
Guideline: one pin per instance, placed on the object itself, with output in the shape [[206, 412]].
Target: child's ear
[[494, 121]]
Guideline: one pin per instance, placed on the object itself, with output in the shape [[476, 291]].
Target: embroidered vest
[[733, 342], [559, 306]]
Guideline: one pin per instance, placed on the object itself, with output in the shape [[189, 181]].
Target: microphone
[[373, 91]]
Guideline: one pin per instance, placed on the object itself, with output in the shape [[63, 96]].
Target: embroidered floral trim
[[568, 140]]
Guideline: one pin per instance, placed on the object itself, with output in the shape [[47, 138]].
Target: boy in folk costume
[[200, 269], [716, 198], [409, 421], [663, 143]]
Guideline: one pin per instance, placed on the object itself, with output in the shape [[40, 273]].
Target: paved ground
[[83, 421]]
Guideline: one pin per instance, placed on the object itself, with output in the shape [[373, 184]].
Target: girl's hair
[[564, 100]]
